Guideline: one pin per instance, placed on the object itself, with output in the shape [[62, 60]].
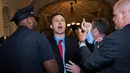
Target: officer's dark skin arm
[[51, 66]]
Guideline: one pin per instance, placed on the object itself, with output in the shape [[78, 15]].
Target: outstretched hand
[[72, 67]]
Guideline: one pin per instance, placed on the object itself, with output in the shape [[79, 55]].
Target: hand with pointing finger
[[86, 26]]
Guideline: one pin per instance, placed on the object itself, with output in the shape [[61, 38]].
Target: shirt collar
[[57, 39], [126, 25]]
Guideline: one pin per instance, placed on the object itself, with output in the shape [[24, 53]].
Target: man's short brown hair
[[53, 15], [101, 24]]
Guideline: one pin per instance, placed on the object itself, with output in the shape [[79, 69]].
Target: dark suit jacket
[[112, 56], [72, 52]]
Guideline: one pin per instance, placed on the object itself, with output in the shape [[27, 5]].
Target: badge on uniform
[[98, 46]]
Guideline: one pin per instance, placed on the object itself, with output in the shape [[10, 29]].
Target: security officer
[[27, 51]]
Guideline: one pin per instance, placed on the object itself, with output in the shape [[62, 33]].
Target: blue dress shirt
[[90, 37], [63, 49]]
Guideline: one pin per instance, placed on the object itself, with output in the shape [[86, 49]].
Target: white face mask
[[90, 37]]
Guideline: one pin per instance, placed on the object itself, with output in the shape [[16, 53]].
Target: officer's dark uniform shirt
[[24, 51], [0, 45]]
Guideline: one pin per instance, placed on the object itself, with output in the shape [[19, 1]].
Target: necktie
[[60, 48]]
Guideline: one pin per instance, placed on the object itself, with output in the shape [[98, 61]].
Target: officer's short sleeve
[[45, 49]]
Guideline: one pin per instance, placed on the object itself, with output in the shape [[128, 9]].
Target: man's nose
[[113, 18], [60, 22]]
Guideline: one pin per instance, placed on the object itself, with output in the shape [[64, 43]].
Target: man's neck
[[59, 35], [126, 22], [25, 25]]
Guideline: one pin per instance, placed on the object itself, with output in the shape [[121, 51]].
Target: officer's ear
[[51, 26], [123, 14], [30, 21]]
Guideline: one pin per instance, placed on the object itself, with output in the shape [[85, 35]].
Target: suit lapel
[[57, 54], [55, 49], [97, 45], [66, 49]]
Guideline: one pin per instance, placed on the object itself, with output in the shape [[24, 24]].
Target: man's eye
[[62, 20], [37, 19], [56, 21]]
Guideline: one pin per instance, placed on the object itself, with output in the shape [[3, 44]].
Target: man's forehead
[[116, 5], [115, 9], [58, 16]]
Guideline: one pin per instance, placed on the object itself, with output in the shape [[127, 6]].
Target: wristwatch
[[80, 42]]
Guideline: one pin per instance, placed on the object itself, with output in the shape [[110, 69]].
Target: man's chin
[[60, 32], [34, 27]]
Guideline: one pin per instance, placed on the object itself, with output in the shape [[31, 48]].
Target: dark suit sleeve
[[45, 49], [104, 55]]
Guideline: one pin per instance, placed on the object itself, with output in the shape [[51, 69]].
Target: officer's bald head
[[121, 13], [123, 5]]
